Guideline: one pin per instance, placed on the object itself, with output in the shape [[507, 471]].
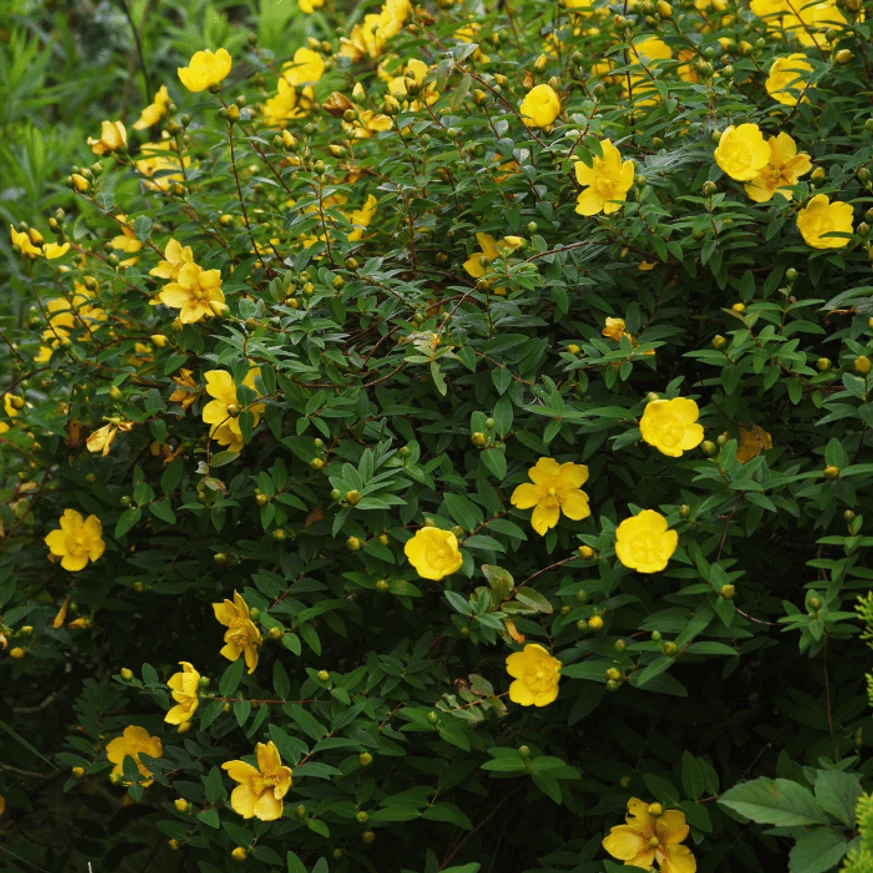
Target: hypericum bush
[[430, 444]]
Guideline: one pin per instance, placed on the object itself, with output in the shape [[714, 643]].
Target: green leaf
[[661, 789], [692, 777], [535, 600], [215, 789], [295, 865], [818, 851], [780, 802], [20, 739], [210, 818], [128, 519], [837, 793], [219, 459], [231, 677], [450, 813]]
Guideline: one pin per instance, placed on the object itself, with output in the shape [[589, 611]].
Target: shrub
[[423, 446]]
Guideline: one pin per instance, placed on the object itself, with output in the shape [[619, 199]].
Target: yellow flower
[[643, 542], [101, 439], [362, 217], [193, 292], [805, 21], [606, 182], [647, 838], [367, 123], [786, 82], [648, 53], [155, 111], [126, 241], [176, 257], [185, 688], [225, 427], [113, 136], [783, 170], [434, 553], [753, 440], [369, 37], [671, 426], [540, 107], [536, 675], [742, 152], [614, 329], [132, 742], [78, 540], [26, 248], [186, 393], [261, 789], [281, 108], [309, 6], [556, 488], [819, 217], [161, 165], [490, 249], [307, 68], [241, 637], [205, 69], [55, 250]]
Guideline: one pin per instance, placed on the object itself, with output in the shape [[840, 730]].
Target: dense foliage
[[431, 433]]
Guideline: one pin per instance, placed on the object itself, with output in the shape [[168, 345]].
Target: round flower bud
[[353, 544], [614, 674], [368, 837], [532, 227], [490, 424], [790, 275], [684, 510], [239, 854], [366, 759], [279, 535], [814, 604], [383, 538], [565, 610], [479, 440], [612, 685], [586, 553], [818, 175], [338, 283], [524, 751], [848, 515], [26, 630], [183, 728], [275, 633], [843, 56], [324, 675], [831, 472], [316, 464], [382, 585], [181, 804], [338, 854], [739, 307], [433, 717], [718, 341], [670, 649], [77, 772], [17, 653], [582, 625], [262, 499], [656, 636], [823, 364], [362, 817], [220, 558], [126, 673], [708, 447], [173, 845], [655, 809], [300, 811], [353, 497], [595, 623], [862, 365], [727, 592]]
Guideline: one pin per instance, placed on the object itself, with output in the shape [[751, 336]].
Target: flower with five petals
[[242, 636], [671, 426], [78, 541], [644, 543], [555, 489], [434, 553], [651, 834], [205, 69], [536, 675], [261, 789]]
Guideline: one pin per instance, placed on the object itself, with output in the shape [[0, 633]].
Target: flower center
[[539, 678], [645, 548], [552, 498], [654, 842], [78, 544], [673, 431], [238, 632]]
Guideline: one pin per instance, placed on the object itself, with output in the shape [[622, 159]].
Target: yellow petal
[[625, 843]]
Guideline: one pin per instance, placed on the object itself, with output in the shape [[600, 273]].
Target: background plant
[[413, 315]]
